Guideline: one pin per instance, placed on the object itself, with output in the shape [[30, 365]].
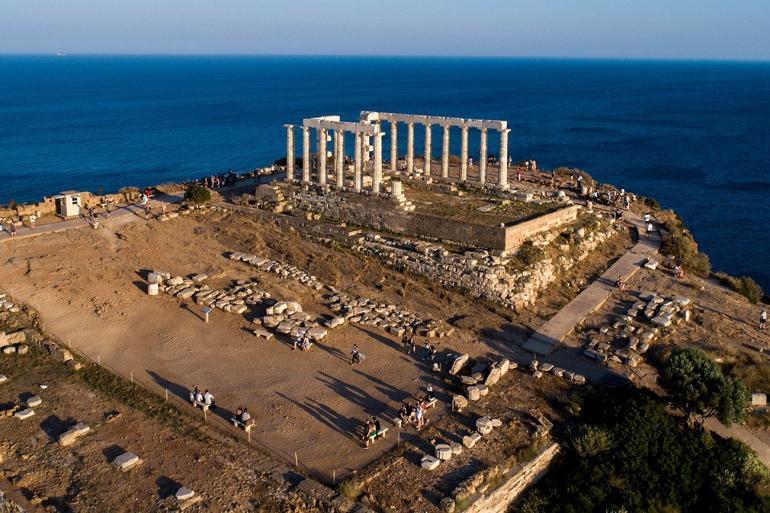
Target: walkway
[[551, 334], [119, 216]]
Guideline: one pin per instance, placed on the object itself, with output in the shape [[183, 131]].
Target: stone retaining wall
[[516, 234], [498, 500], [382, 216]]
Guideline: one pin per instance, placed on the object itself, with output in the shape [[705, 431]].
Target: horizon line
[[64, 53]]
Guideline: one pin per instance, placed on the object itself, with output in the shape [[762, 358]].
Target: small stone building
[[68, 204]]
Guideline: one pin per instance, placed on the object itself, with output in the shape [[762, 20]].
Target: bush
[[198, 195], [743, 285], [679, 243], [650, 202], [529, 254]]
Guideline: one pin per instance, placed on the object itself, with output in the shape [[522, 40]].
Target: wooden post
[[296, 460], [166, 389], [132, 377], [98, 359], [334, 477], [204, 414]]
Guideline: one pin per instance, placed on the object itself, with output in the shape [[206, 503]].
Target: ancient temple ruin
[[368, 143]]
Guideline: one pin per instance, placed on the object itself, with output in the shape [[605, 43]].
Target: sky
[[647, 29]]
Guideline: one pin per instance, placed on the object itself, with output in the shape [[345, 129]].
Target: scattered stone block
[[484, 425], [9, 350], [663, 322], [317, 333], [429, 462], [3, 378], [200, 278], [152, 289], [496, 423], [458, 364], [579, 379], [34, 401], [493, 377], [557, 371], [456, 448], [471, 440], [74, 365], [458, 402], [126, 461], [483, 389], [758, 399], [537, 374], [474, 394], [184, 494], [70, 436], [22, 349], [24, 414], [443, 452], [468, 380], [504, 366], [651, 264], [258, 332], [546, 367]]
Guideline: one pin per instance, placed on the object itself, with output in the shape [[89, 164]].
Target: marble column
[[377, 172], [409, 148], [502, 180], [357, 175], [445, 153], [483, 157], [427, 149], [305, 154], [340, 159], [335, 151], [464, 154], [321, 157], [290, 153], [394, 146]]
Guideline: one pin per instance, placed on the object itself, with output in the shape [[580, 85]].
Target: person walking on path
[[13, 229], [355, 355], [621, 284], [763, 318]]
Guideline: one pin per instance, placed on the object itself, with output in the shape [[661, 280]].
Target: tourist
[[32, 221], [404, 413], [306, 342], [429, 393], [650, 228], [371, 432], [355, 356], [518, 175], [470, 162], [238, 413], [433, 353], [13, 228], [763, 318], [427, 352], [193, 393], [245, 417], [627, 200], [208, 399], [296, 340], [621, 284], [198, 396], [408, 343], [647, 218], [418, 417]]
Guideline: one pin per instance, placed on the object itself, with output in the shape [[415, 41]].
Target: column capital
[[483, 130], [505, 131], [288, 125]]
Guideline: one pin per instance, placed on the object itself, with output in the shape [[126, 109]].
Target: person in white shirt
[[208, 398]]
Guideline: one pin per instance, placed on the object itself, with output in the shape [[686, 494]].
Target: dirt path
[[549, 336]]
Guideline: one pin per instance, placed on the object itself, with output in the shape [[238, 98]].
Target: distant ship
[[61, 54]]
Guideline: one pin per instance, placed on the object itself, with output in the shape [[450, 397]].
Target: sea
[[693, 135]]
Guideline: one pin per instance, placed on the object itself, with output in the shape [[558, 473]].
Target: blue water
[[694, 135]]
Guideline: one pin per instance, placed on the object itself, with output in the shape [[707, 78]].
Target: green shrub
[[650, 202], [743, 285], [198, 195], [529, 254], [679, 243]]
